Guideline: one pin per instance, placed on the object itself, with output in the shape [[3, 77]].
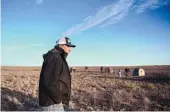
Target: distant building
[[111, 70], [139, 72]]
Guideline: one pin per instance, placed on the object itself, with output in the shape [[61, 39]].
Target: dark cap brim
[[71, 45]]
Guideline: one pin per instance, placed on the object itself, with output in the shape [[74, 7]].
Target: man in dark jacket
[[55, 78]]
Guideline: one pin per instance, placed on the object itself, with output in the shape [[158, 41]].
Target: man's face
[[67, 49]]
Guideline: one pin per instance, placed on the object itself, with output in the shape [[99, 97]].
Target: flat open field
[[91, 90]]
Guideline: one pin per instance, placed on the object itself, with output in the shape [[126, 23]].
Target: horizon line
[[83, 65]]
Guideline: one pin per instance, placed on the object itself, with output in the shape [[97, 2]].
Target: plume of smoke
[[113, 13]]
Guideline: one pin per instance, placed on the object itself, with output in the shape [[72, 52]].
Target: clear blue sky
[[107, 32]]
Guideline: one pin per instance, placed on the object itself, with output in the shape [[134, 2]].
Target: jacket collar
[[63, 53]]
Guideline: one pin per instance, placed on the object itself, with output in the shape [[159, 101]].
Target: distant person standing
[[101, 69], [55, 78], [127, 71], [120, 73]]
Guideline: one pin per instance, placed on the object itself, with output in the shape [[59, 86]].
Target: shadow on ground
[[12, 100]]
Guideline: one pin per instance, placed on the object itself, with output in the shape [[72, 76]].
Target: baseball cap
[[66, 41]]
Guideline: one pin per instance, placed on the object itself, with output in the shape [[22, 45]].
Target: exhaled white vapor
[[115, 12]]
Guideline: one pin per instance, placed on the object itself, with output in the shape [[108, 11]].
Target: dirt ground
[[91, 90]]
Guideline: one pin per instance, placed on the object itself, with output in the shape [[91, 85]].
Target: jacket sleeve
[[52, 68]]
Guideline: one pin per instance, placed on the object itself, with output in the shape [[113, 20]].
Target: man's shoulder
[[53, 53]]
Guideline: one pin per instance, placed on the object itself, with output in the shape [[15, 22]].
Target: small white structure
[[139, 72], [111, 70]]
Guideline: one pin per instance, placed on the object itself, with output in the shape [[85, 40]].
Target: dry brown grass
[[91, 91], [98, 93], [19, 90]]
